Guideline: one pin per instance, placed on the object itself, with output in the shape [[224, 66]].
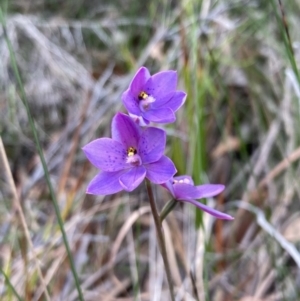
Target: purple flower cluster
[[136, 150]]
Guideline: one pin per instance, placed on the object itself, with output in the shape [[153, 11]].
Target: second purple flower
[[182, 189]]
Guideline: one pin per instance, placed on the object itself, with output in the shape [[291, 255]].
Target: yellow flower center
[[143, 95], [131, 151], [132, 157]]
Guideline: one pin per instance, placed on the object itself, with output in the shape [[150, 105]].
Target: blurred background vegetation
[[65, 64]]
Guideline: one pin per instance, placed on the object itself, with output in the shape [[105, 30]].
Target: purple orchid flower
[[131, 155], [154, 98], [182, 189]]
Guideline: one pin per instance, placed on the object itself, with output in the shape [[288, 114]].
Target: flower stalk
[[160, 238], [167, 209]]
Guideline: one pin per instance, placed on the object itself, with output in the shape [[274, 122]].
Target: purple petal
[[106, 154], [139, 120], [173, 100], [133, 178], [152, 144], [161, 101], [176, 101], [161, 83], [213, 212], [186, 178], [105, 183], [162, 115], [139, 81], [169, 186], [188, 192], [131, 103], [160, 171], [125, 130]]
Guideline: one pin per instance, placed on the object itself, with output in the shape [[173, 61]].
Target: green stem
[[160, 237], [41, 155], [167, 209]]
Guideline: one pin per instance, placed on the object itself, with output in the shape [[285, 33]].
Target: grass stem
[[21, 216], [41, 155], [10, 285]]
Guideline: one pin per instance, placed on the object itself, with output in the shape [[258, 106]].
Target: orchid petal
[[169, 186], [187, 192], [139, 120], [130, 102], [105, 183], [176, 101], [160, 171], [106, 154], [152, 144], [173, 100], [133, 178], [161, 101], [161, 84], [125, 130], [213, 212], [162, 115], [139, 81]]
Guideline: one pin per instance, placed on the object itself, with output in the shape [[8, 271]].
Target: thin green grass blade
[[286, 37], [9, 284], [41, 155], [284, 30], [196, 92]]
